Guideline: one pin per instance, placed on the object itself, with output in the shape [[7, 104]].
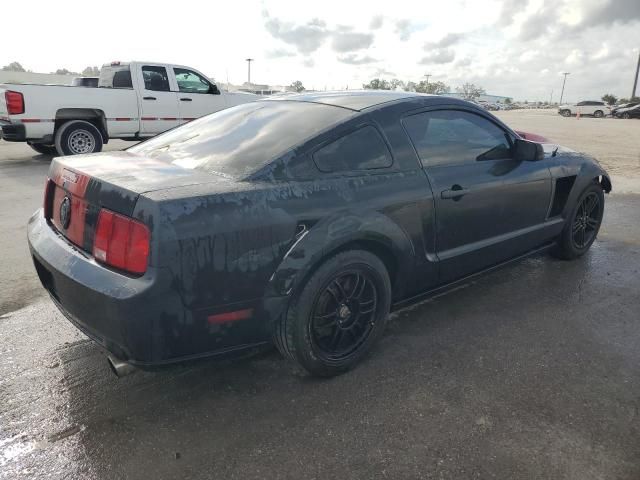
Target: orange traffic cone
[[578, 115]]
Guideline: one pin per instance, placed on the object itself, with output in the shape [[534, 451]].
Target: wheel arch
[[94, 116], [312, 248]]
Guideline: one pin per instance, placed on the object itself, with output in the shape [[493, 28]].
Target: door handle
[[185, 99], [455, 193], [148, 98]]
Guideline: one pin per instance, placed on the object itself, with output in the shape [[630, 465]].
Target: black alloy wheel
[[586, 221], [343, 315], [337, 314]]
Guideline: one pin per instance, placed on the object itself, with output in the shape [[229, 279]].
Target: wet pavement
[[532, 371]]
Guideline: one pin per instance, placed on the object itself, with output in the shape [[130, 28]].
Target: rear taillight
[[121, 242], [48, 201], [15, 102]]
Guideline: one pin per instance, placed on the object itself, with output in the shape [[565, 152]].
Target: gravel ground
[[532, 371]]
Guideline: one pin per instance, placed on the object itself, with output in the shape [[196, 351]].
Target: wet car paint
[[224, 245]]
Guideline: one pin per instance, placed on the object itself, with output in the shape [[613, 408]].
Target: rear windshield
[[240, 140], [115, 76]]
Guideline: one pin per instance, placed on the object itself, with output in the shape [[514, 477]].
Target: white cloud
[[510, 47]]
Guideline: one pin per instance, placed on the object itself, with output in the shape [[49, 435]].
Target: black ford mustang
[[302, 221]]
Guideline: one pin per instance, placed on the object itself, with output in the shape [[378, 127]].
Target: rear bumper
[[140, 320], [13, 132]]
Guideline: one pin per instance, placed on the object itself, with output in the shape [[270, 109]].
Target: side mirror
[[526, 151], [214, 89]]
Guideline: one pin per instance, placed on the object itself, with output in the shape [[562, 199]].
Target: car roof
[[356, 100]]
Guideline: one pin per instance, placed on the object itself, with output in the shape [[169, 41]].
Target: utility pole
[[563, 82], [427, 77], [551, 97], [635, 81], [249, 60]]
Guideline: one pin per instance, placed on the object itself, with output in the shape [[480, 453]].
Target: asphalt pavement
[[532, 371]]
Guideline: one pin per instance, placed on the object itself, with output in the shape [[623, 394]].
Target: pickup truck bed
[[134, 101]]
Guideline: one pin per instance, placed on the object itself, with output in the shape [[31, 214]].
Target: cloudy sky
[[516, 48]]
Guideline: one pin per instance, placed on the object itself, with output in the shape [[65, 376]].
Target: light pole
[[635, 81], [249, 60], [563, 82]]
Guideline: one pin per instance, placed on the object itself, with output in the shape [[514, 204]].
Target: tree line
[[87, 72]]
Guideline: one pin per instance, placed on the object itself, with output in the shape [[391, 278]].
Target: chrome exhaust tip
[[119, 367]]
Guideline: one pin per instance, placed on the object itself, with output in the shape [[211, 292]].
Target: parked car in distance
[[632, 111], [588, 107], [85, 82], [615, 109], [132, 101], [299, 220]]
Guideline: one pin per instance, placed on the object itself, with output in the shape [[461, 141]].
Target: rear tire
[[582, 225], [338, 315], [598, 114], [78, 137], [565, 113], [43, 149]]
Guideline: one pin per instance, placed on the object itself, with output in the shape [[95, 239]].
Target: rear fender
[[313, 244]]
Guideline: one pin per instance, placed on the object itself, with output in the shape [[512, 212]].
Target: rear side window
[[155, 78], [449, 137], [363, 149], [115, 76]]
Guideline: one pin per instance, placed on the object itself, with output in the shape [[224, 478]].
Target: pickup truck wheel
[[566, 113], [598, 114], [77, 137], [338, 315], [43, 149]]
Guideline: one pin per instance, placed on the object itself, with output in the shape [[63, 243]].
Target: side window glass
[[122, 79], [191, 82], [449, 137], [581, 104], [155, 78], [363, 149]]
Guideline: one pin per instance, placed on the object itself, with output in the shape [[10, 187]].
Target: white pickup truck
[[133, 101]]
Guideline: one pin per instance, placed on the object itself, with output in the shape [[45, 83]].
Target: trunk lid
[[79, 186]]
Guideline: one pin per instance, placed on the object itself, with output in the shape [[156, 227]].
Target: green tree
[[470, 91], [91, 72], [610, 99], [410, 86], [13, 67], [508, 101], [397, 84], [377, 84], [436, 88], [297, 86], [64, 71]]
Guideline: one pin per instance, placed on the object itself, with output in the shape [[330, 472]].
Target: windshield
[[238, 141]]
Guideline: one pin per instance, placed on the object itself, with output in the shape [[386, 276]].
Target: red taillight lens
[[15, 102], [121, 242]]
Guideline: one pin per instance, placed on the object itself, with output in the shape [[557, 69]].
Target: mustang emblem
[[65, 212]]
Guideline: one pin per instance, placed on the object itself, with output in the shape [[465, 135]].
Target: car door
[[158, 104], [197, 96], [488, 205]]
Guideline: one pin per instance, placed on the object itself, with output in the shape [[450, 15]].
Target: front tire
[[598, 114], [78, 137], [339, 314], [583, 224], [43, 149], [626, 116]]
